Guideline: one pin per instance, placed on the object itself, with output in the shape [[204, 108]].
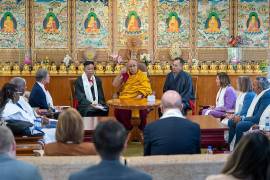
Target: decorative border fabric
[[93, 24], [213, 23], [173, 23], [51, 24], [13, 25], [253, 22]]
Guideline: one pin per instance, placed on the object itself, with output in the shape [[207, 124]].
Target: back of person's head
[[171, 100], [41, 74], [244, 84], [263, 82], [8, 92], [224, 79], [251, 158], [7, 142], [70, 127], [109, 139], [19, 82]]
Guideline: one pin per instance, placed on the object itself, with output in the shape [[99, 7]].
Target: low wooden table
[[212, 131], [134, 105]]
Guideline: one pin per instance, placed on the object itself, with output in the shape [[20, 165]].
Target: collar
[[172, 113], [41, 85]]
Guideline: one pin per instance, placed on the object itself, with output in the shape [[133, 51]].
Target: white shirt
[[26, 107], [172, 113], [48, 95]]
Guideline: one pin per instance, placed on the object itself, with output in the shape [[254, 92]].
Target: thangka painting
[[253, 22], [13, 24], [173, 23], [92, 23], [133, 20], [51, 23], [213, 23]]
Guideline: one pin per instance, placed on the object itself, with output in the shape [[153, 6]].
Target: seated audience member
[[69, 136], [132, 84], [242, 104], [250, 160], [89, 93], [12, 109], [181, 82], [110, 138], [172, 133], [39, 96], [10, 167], [255, 110], [225, 99]]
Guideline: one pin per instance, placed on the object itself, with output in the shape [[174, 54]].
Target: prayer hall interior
[[211, 36]]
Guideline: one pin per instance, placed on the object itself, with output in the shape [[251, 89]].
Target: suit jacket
[[13, 169], [38, 97], [171, 135], [261, 105], [84, 104], [63, 149], [110, 170], [246, 103]]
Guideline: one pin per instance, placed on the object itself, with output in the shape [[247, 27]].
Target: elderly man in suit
[[110, 139], [39, 96], [261, 87], [172, 133], [10, 167]]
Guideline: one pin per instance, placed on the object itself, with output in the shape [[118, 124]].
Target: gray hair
[[170, 105], [263, 82], [18, 81], [6, 139], [41, 74]]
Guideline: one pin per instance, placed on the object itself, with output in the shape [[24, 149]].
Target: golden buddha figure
[[133, 22], [213, 68], [186, 67], [63, 69], [173, 25], [230, 69], [257, 68], [80, 68], [16, 69], [204, 68], [195, 69], [35, 68], [7, 68], [222, 67], [8, 25], [51, 26], [253, 23], [26, 69], [72, 69], [248, 68], [213, 24], [157, 68], [150, 68], [92, 24], [239, 69], [167, 68], [108, 68], [100, 68], [117, 68], [53, 69]]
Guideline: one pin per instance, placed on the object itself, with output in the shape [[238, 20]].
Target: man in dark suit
[[110, 140], [39, 96], [10, 167], [172, 133]]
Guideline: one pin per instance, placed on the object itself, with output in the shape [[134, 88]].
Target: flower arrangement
[[117, 59], [145, 58], [175, 51], [235, 41]]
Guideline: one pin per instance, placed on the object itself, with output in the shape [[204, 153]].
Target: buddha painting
[[253, 23], [92, 23], [51, 23], [212, 24], [8, 23], [173, 22], [133, 22]]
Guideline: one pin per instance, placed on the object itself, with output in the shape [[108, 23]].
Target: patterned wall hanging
[[253, 22], [50, 23], [213, 23], [172, 23], [13, 24], [93, 23], [132, 21]]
